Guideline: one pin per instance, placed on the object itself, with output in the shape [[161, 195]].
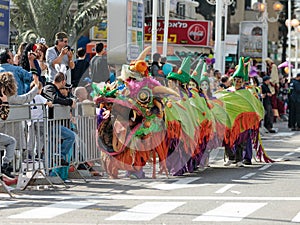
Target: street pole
[[289, 35], [224, 42], [265, 37], [154, 28], [296, 52], [166, 28], [218, 35]]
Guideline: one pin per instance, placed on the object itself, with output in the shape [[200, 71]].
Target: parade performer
[[245, 113], [176, 124]]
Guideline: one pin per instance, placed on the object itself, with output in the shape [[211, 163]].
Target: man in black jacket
[[294, 104], [51, 93]]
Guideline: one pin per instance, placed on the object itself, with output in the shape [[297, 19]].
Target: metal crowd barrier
[[38, 168]]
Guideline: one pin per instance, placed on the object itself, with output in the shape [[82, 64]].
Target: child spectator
[[35, 141]]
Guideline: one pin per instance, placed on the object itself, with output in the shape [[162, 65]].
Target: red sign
[[183, 32]]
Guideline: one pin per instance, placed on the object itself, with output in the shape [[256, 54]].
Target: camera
[[32, 53], [70, 49]]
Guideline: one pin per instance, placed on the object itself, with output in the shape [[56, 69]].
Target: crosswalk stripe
[[225, 188], [248, 175], [231, 211], [146, 211], [182, 183], [50, 211], [284, 134], [296, 219], [4, 204]]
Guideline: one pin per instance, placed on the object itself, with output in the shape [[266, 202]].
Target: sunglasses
[[65, 41]]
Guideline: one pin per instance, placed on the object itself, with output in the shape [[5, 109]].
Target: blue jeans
[[68, 138]]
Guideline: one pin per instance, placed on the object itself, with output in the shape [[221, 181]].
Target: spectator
[[163, 61], [22, 77], [272, 71], [155, 67], [35, 139], [58, 55], [52, 93], [14, 99], [31, 49], [224, 83], [81, 94], [98, 65], [267, 103], [41, 51], [6, 141], [80, 70], [17, 57]]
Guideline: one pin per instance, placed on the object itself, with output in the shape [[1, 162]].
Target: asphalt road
[[257, 194]]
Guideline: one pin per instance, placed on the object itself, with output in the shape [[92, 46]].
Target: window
[[149, 6], [180, 10], [249, 4]]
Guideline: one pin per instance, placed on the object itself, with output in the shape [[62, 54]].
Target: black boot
[[6, 169]]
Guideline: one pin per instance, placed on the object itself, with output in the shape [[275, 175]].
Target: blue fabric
[[68, 138], [22, 77]]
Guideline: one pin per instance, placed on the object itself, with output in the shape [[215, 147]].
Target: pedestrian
[[98, 65], [59, 54], [294, 104]]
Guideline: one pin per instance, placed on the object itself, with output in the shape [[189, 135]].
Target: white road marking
[[164, 198], [146, 211], [265, 167], [231, 211], [285, 134], [4, 204], [296, 219], [182, 183], [225, 188], [248, 175], [281, 140], [50, 211], [288, 154], [297, 149]]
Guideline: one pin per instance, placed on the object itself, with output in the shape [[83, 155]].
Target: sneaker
[[239, 164], [63, 162], [272, 131], [6, 170], [247, 162], [228, 163]]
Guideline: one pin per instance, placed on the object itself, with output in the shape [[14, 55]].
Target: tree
[[44, 18]]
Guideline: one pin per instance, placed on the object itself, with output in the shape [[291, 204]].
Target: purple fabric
[[135, 86]]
